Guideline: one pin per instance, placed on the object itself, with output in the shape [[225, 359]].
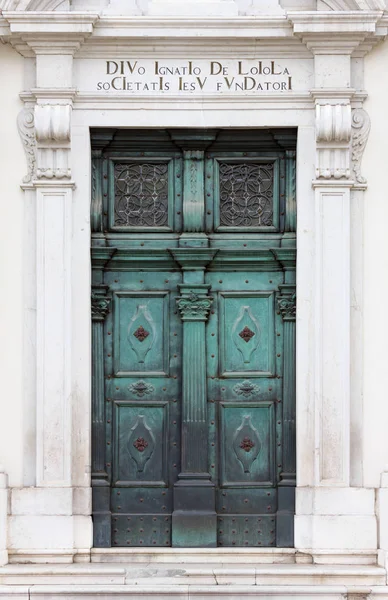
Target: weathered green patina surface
[[193, 309]]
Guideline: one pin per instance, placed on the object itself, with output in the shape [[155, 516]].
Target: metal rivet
[[108, 443], [142, 244], [278, 334], [212, 443], [178, 212], [118, 493], [212, 422], [212, 355], [247, 281], [166, 281], [270, 389], [270, 280], [245, 500], [174, 422], [108, 420], [141, 499], [108, 354], [109, 333], [278, 355], [164, 389], [209, 212]]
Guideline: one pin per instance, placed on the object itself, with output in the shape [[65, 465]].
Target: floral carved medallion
[[247, 444], [141, 388], [246, 334], [141, 334], [140, 444]]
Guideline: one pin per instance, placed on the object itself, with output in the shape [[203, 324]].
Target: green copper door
[[193, 333]]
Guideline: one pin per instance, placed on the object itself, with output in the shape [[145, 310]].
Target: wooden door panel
[[141, 334], [141, 444], [247, 337], [247, 441]]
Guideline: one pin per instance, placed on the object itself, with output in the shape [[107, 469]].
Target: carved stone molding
[[41, 5], [360, 131], [332, 163], [333, 134], [353, 4], [333, 122], [52, 127], [26, 127], [52, 122]]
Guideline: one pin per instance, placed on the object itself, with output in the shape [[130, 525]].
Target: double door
[[193, 307]]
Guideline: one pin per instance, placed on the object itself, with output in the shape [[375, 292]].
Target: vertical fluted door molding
[[287, 307], [100, 306], [194, 520], [194, 306]]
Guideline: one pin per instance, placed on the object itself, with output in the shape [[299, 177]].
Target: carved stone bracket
[[100, 303], [333, 133], [52, 126], [26, 127], [360, 131]]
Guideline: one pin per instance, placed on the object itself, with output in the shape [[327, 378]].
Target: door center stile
[[194, 520]]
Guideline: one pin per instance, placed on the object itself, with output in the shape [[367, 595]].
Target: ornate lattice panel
[[141, 194], [246, 193]]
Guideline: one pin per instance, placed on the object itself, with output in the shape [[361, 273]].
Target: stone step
[[190, 592], [221, 556], [178, 575]]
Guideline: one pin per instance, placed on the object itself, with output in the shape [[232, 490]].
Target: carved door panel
[[193, 307]]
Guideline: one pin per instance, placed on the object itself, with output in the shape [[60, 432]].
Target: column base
[[194, 520], [335, 518]]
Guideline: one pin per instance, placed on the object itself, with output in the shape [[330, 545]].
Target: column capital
[[100, 302], [287, 302], [194, 304]]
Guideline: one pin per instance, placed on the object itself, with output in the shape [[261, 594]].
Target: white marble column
[[51, 520], [3, 516], [334, 515]]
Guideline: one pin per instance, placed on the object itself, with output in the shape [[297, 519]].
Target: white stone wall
[[375, 409], [12, 169]]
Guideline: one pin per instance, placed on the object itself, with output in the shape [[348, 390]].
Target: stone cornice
[[335, 32]]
